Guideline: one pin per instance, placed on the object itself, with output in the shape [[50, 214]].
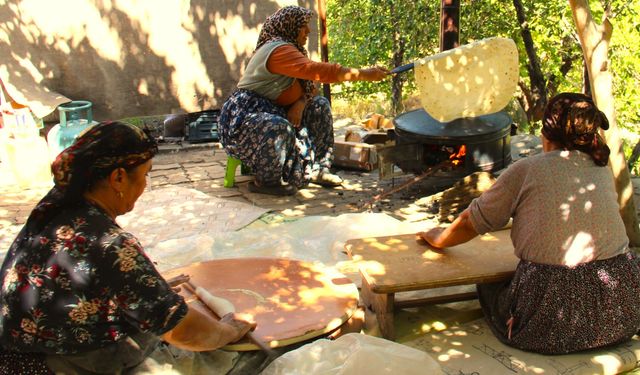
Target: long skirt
[[256, 131], [553, 309], [144, 354]]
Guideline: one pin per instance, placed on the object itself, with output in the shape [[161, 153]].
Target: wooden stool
[[230, 172], [405, 263]]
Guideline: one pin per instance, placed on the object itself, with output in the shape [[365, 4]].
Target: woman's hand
[[369, 74], [200, 331], [460, 231], [373, 74], [294, 114], [432, 237], [176, 281], [241, 326]]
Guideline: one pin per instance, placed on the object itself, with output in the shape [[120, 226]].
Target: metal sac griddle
[[419, 126], [418, 138]]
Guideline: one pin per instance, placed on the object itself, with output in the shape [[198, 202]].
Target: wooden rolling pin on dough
[[222, 307]]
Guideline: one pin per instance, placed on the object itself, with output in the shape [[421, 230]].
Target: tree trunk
[[324, 43], [397, 80], [594, 39], [635, 154], [586, 82], [566, 66], [538, 92], [398, 59]]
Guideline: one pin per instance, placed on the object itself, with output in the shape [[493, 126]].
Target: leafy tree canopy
[[362, 32]]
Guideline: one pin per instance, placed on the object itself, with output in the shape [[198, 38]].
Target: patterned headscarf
[[573, 121], [284, 25], [96, 152]]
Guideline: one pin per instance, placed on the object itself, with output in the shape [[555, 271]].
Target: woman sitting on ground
[[76, 289], [274, 123], [577, 285]]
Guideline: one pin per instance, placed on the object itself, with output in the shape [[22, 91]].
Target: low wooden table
[[291, 300], [403, 263]]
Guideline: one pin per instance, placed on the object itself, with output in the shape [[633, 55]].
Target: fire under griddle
[[472, 144]]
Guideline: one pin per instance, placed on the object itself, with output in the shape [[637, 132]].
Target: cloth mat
[[312, 238], [353, 354], [175, 212], [471, 348], [24, 85]]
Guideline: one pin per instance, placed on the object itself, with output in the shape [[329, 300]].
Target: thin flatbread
[[26, 90], [472, 80]]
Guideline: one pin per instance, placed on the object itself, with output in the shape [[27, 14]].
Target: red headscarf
[[96, 152]]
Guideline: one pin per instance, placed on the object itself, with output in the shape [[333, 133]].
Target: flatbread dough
[[220, 306], [471, 80]]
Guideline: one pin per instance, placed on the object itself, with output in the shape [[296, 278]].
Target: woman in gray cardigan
[[577, 285]]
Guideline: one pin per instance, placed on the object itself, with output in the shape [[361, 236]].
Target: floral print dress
[[80, 284]]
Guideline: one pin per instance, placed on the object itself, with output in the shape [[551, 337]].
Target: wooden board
[[290, 300], [402, 263]]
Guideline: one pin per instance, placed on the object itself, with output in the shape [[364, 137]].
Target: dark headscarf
[[92, 157], [284, 25], [573, 121]]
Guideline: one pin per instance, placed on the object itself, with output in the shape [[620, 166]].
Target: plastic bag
[[354, 353]]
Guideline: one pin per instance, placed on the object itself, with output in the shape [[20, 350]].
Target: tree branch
[[538, 93]]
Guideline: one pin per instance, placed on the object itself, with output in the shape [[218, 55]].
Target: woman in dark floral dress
[[577, 286], [274, 122], [79, 292]]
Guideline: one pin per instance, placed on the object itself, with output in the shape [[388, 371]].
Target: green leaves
[[362, 33]]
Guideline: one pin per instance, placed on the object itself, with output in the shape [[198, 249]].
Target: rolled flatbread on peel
[[468, 81]]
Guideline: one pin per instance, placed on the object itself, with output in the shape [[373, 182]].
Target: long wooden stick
[[412, 181], [260, 344]]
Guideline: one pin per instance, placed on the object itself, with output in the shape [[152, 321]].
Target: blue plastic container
[[75, 117]]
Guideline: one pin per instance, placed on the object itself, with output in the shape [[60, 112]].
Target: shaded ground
[[202, 167]]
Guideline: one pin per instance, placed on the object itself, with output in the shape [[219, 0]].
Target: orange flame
[[457, 157]]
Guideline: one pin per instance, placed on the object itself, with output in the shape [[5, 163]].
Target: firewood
[[457, 198]]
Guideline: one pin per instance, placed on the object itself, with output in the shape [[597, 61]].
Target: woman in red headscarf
[[78, 291], [275, 123], [577, 285]]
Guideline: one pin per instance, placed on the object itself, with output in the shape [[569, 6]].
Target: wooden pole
[[324, 43], [449, 24]]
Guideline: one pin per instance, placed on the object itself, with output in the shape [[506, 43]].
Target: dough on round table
[[468, 81], [220, 306]]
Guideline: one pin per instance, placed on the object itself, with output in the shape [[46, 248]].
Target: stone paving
[[202, 167]]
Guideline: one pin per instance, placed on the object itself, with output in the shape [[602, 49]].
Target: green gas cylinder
[[75, 117]]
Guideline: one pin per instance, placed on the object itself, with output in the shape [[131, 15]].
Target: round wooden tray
[[290, 300]]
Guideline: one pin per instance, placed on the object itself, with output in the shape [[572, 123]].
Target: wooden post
[[595, 39], [449, 24], [324, 43]]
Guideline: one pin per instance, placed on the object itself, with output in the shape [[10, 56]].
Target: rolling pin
[[222, 307]]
